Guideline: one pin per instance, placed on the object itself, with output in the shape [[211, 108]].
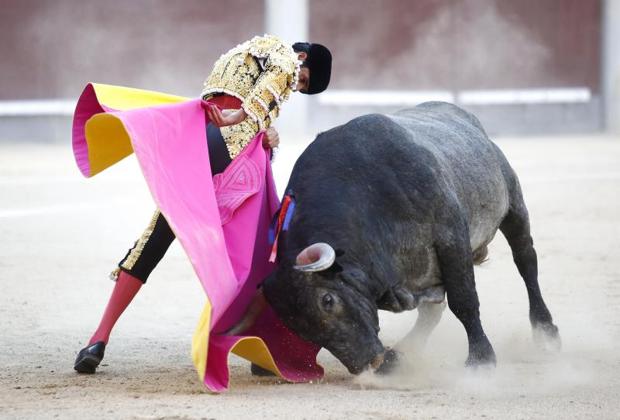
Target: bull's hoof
[[547, 337], [390, 362], [474, 362], [481, 355]]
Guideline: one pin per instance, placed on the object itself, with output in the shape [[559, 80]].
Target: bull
[[392, 212]]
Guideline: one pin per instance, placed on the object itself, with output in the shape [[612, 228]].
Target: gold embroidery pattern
[[234, 74], [262, 87], [135, 253], [264, 97], [238, 136]]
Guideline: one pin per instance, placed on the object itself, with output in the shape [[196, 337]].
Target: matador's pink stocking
[[125, 289]]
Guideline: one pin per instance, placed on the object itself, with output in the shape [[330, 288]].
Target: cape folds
[[227, 216]]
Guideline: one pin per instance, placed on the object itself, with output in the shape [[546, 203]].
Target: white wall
[[611, 64]]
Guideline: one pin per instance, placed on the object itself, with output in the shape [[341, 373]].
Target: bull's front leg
[[457, 274]]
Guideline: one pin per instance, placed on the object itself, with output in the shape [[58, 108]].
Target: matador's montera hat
[[319, 61]]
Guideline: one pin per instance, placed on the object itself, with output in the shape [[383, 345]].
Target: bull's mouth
[[356, 370], [375, 363], [372, 361], [383, 363]]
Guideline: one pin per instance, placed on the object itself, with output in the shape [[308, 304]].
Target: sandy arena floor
[[62, 234]]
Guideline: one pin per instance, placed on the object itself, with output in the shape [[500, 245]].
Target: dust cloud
[[526, 365], [523, 369]]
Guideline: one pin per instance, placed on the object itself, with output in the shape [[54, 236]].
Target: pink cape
[[221, 222]]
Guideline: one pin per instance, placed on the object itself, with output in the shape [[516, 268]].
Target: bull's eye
[[327, 301]]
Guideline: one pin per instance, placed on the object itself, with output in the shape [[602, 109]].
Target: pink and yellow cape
[[222, 222]]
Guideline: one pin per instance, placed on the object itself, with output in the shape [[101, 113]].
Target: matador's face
[[304, 80]]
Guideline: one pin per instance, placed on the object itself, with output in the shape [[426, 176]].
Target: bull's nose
[[377, 361], [355, 368]]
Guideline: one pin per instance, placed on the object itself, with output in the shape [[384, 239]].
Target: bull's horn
[[254, 310], [316, 257]]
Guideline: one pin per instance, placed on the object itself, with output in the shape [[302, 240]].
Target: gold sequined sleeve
[[269, 90], [238, 136]]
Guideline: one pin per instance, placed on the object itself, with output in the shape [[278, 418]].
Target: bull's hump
[[437, 110], [374, 125], [371, 120]]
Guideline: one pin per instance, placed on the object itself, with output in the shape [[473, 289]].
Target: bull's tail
[[481, 255]]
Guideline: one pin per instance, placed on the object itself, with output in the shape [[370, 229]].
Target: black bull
[[391, 211]]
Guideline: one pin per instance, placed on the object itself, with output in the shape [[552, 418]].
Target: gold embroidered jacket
[[262, 73]]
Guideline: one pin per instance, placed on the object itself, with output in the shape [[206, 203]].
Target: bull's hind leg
[[516, 229]]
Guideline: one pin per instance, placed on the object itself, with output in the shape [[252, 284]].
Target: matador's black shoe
[[89, 358]]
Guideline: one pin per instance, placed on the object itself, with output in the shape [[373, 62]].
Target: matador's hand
[[271, 139], [220, 119]]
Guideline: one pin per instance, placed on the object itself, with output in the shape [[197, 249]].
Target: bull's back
[[431, 140], [431, 152], [471, 165], [384, 176]]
